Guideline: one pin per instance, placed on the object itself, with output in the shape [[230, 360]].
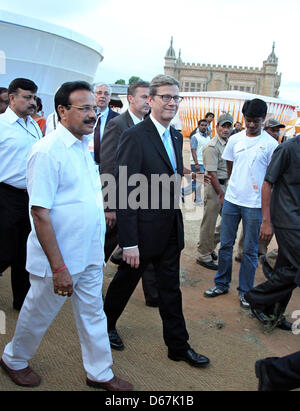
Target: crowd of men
[[58, 249]]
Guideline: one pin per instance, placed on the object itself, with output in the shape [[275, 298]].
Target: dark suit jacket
[[111, 114], [109, 146], [142, 151], [110, 141]]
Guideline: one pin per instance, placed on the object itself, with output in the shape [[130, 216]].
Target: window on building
[[235, 88], [198, 86], [248, 89], [242, 88]]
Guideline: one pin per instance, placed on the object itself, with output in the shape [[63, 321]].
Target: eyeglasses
[[166, 98], [85, 109], [100, 93]]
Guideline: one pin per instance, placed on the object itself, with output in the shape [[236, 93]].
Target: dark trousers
[[14, 231], [276, 292], [166, 268], [284, 372], [148, 276]]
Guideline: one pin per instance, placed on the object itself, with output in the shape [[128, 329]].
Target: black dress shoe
[[115, 341], [285, 325], [191, 357], [262, 317], [214, 256], [210, 265]]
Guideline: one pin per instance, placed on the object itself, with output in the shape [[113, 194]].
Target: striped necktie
[[97, 140]]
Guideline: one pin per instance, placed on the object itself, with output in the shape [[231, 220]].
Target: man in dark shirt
[[281, 212], [237, 128]]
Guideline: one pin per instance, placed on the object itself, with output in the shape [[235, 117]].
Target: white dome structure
[[45, 53]]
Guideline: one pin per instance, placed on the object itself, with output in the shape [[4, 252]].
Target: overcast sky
[[135, 35]]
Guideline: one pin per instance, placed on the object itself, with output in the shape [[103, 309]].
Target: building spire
[[179, 60], [171, 52], [272, 57]]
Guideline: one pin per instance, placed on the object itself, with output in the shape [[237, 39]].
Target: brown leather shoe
[[115, 384], [26, 377]]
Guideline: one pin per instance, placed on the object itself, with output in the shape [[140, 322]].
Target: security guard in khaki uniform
[[214, 193]]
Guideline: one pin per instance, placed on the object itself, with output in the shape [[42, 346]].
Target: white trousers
[[41, 306]]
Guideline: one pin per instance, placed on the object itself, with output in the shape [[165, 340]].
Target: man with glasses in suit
[[102, 94], [153, 232]]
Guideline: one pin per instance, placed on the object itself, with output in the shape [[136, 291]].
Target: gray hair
[[103, 85], [162, 80]]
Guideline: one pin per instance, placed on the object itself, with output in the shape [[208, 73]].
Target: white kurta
[[62, 177]]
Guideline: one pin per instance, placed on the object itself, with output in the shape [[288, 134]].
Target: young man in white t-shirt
[[248, 155]]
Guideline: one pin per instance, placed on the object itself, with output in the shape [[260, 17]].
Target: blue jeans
[[251, 218]]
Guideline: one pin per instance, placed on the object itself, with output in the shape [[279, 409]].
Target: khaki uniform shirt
[[212, 157]]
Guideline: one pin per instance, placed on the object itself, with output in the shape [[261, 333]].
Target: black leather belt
[[12, 188], [222, 182]]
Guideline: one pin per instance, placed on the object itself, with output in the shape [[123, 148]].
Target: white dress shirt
[[62, 177], [134, 118], [16, 140]]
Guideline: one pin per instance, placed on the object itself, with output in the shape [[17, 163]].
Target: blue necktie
[[167, 143]]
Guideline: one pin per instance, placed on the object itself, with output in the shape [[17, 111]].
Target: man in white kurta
[[65, 249]]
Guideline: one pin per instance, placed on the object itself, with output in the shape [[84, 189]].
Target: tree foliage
[[134, 79], [121, 81]]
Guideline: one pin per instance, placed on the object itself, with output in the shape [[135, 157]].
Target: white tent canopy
[[195, 105]]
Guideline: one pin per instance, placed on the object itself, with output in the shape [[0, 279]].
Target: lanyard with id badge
[[251, 160]]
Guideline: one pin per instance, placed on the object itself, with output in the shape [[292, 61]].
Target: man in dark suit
[[151, 154], [102, 94], [137, 97]]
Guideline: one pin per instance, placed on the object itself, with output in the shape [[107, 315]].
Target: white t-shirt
[[198, 142], [251, 157]]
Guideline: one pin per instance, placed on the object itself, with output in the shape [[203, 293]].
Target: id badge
[[254, 184]]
